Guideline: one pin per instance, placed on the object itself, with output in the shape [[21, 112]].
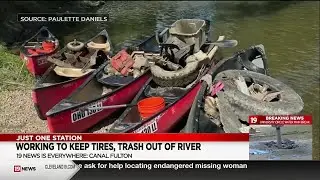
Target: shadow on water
[[261, 8]]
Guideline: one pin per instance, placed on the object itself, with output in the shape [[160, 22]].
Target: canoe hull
[[46, 97], [75, 121], [37, 65]]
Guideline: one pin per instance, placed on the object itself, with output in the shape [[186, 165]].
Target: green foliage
[[13, 72]]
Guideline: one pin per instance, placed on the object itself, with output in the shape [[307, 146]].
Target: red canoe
[[177, 104], [52, 88], [73, 114], [163, 122], [36, 50]]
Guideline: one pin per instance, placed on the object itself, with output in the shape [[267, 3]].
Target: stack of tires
[[178, 78], [182, 33], [235, 107]]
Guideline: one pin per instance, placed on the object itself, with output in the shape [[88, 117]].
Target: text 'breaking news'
[[65, 17]]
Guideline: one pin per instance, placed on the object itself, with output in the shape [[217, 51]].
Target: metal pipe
[[279, 141]]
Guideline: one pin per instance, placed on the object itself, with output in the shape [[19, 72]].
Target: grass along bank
[[16, 107], [13, 72]]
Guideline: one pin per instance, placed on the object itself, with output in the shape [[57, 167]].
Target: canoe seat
[[170, 94], [115, 80]]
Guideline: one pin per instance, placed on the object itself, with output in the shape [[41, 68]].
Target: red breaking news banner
[[280, 120], [125, 137]]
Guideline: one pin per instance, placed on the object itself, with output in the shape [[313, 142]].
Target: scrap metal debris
[[74, 60], [241, 85]]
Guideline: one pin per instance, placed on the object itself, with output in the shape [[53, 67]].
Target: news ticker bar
[[78, 170], [226, 170], [62, 17], [280, 120]]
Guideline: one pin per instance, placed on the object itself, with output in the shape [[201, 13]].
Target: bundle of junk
[[178, 62], [78, 58]]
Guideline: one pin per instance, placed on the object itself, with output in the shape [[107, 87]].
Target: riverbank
[[13, 73], [18, 114], [260, 151]]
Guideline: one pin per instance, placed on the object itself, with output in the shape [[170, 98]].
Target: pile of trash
[[134, 65], [72, 60], [181, 53], [240, 94], [79, 59], [125, 66]]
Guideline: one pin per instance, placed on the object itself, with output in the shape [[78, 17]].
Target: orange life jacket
[[46, 48]]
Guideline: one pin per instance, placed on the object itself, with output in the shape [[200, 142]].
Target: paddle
[[109, 107], [34, 46], [225, 43]]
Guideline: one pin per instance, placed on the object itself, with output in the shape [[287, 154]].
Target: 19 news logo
[[253, 120], [18, 168]]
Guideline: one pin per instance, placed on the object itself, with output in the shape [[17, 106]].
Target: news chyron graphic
[[56, 153], [275, 143], [62, 17]]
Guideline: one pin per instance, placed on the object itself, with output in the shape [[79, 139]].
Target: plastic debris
[[257, 152]]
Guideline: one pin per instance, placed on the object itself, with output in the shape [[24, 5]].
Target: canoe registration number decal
[[149, 127], [42, 60], [84, 113]]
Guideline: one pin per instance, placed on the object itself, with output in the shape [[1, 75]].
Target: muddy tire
[[289, 101], [228, 117], [75, 46], [179, 78]]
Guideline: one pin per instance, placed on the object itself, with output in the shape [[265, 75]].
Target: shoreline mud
[[297, 144]]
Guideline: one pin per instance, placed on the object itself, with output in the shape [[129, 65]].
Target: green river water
[[288, 30]]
